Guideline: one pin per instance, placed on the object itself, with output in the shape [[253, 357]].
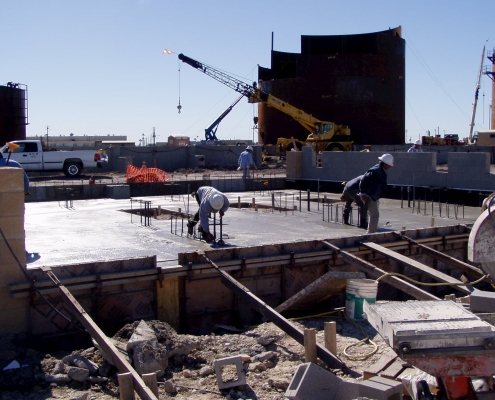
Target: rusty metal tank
[[13, 112], [355, 80]]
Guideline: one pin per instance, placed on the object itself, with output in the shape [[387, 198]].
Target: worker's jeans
[[245, 173], [373, 213]]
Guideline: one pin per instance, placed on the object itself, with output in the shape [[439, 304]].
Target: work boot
[[346, 216], [190, 226]]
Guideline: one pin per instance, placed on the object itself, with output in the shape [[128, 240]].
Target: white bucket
[[358, 290]]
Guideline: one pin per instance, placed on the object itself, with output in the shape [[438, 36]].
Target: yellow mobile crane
[[324, 135]]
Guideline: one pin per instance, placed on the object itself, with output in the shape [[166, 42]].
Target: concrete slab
[[97, 230]]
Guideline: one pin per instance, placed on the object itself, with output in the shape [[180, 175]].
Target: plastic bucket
[[358, 290]]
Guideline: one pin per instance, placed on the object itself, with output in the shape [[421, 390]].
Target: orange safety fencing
[[145, 174]]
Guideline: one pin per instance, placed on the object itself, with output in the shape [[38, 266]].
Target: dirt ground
[[273, 359]]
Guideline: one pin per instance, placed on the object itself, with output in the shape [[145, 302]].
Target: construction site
[[109, 292]]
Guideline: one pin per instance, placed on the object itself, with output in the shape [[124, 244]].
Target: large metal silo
[[13, 112], [355, 80]]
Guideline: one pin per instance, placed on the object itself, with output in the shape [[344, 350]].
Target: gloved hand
[[239, 168]]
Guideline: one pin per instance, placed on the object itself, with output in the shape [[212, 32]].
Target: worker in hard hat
[[372, 186], [12, 163], [351, 195], [416, 148], [210, 200], [246, 161]]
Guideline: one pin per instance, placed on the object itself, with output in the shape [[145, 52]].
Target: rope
[[366, 340]]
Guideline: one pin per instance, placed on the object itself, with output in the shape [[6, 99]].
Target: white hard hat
[[249, 148], [216, 201], [387, 159], [418, 142]]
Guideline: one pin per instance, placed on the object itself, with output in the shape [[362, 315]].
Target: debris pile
[[185, 363]]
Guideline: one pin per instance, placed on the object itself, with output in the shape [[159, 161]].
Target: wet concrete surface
[[99, 230]]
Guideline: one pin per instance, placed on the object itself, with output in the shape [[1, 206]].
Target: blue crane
[[210, 132]]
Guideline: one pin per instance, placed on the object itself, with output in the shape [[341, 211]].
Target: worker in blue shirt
[[246, 161], [210, 200], [15, 164]]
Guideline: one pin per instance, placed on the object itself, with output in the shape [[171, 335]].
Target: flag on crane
[[167, 51]]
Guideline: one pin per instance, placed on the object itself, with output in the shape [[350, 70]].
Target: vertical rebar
[[214, 226], [300, 200], [188, 196], [318, 194], [273, 202], [309, 196]]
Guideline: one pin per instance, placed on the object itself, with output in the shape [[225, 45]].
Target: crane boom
[[233, 83], [210, 132], [323, 135]]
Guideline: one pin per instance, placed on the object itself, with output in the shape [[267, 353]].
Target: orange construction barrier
[[145, 174]]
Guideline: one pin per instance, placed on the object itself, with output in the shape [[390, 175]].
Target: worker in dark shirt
[[372, 186]]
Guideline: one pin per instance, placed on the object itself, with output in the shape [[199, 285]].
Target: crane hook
[[179, 107]]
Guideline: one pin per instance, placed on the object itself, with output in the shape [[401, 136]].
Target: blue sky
[[97, 68]]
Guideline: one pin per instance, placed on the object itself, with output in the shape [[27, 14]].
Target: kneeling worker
[[210, 200]]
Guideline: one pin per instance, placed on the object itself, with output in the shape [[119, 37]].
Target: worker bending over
[[210, 200], [246, 161], [372, 186], [351, 195]]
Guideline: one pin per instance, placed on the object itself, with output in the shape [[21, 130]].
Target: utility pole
[[491, 75], [47, 127], [154, 137], [476, 92]]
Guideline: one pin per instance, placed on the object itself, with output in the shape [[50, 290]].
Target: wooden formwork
[[191, 297]]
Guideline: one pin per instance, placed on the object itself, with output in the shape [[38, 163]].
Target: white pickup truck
[[32, 157]]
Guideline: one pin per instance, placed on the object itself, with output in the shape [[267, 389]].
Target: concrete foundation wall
[[83, 191], [13, 312], [171, 158], [465, 170]]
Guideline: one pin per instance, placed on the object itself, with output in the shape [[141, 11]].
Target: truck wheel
[[72, 169], [335, 147]]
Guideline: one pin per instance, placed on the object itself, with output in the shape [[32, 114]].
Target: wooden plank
[[393, 370], [383, 362], [453, 262], [431, 272], [315, 285], [167, 301], [375, 272]]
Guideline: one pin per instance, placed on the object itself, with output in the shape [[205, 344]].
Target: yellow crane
[[323, 136]]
